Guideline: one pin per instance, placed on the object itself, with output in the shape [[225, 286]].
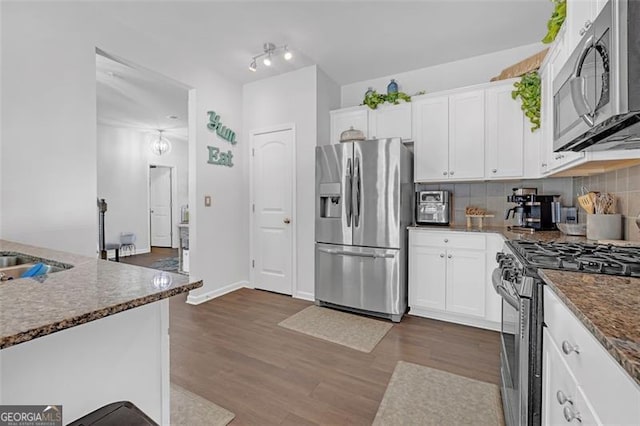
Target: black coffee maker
[[533, 211]]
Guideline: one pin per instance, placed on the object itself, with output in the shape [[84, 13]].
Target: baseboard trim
[[304, 295], [456, 318], [201, 298]]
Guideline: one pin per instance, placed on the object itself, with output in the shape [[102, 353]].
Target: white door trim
[[174, 197], [294, 245]]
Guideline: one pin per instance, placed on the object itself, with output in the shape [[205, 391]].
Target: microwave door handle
[[578, 86]]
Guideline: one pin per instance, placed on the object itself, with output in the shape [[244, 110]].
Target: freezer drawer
[[363, 278]]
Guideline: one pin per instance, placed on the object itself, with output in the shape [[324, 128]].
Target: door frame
[[174, 196], [294, 245]]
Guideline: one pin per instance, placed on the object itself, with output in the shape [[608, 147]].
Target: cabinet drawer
[[461, 240], [614, 395]]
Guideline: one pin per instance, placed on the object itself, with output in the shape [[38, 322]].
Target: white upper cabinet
[[431, 133], [580, 17], [504, 133], [346, 118], [387, 121], [390, 121], [466, 135], [449, 137]]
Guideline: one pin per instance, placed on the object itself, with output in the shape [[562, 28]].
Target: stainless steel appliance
[[533, 211], [432, 207], [516, 279], [364, 203], [596, 102]]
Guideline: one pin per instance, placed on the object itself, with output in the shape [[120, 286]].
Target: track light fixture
[[269, 49]]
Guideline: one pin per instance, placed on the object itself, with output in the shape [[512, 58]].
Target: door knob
[[287, 220]]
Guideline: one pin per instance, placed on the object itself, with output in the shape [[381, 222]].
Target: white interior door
[[160, 205], [272, 211]]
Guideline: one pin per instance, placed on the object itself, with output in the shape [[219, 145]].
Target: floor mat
[[169, 264], [189, 409], [418, 395], [354, 331]]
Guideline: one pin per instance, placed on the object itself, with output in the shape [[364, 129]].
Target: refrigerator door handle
[[349, 182], [357, 254], [356, 193]]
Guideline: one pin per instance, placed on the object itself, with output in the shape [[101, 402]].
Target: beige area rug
[[189, 409], [418, 395], [354, 331]]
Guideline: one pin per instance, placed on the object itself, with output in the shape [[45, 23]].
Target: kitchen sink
[[13, 265]]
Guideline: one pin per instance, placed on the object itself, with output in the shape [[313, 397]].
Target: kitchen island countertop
[[608, 306], [92, 289]]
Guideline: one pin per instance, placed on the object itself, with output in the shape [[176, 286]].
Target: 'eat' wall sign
[[215, 155]]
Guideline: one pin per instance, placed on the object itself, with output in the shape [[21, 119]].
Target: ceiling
[[350, 40], [139, 99]]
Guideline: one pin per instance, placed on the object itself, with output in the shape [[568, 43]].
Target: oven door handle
[[496, 280], [507, 297]]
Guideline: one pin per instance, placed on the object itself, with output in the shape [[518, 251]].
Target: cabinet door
[[466, 272], [466, 135], [427, 277], [344, 119], [504, 133], [390, 121], [431, 138], [556, 379], [580, 14]]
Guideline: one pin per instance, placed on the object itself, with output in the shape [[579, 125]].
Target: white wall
[[328, 99], [49, 134], [124, 157], [465, 72], [293, 98]]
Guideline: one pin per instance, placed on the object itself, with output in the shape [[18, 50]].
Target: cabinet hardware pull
[[446, 240], [441, 254], [451, 173], [563, 398], [570, 415], [444, 173], [449, 256], [494, 171], [582, 32], [587, 24], [567, 348]]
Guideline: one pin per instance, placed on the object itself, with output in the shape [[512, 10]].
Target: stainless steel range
[[516, 279]]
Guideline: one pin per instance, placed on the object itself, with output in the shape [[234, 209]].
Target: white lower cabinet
[[582, 383], [448, 278]]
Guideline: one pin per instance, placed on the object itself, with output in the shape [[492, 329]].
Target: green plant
[[373, 99], [528, 90], [556, 20]]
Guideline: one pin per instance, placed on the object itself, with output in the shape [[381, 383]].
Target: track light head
[[287, 55]]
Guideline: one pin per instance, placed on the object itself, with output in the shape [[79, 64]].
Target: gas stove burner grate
[[584, 257]]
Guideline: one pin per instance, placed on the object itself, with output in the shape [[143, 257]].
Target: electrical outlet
[[207, 200]]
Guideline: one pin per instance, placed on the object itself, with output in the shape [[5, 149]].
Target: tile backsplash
[[624, 184], [492, 196]]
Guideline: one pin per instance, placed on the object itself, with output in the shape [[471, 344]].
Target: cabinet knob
[[444, 173], [441, 254], [544, 164], [446, 240], [570, 415], [587, 24], [451, 173], [582, 31], [494, 170], [287, 220], [567, 348], [563, 398], [449, 256]]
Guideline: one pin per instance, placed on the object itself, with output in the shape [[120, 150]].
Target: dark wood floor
[[147, 259], [231, 351]]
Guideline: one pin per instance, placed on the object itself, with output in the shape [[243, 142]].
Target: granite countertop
[[608, 306], [506, 232], [92, 289]]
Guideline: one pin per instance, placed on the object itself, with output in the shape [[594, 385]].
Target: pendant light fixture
[[269, 50], [160, 144]]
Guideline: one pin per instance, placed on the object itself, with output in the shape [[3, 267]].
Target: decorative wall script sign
[[224, 132], [220, 158]]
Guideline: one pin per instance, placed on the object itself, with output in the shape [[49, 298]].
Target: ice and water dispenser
[[330, 200]]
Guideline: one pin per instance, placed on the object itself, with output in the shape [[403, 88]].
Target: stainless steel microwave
[[596, 101]]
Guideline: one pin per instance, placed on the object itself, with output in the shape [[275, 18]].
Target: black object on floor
[[115, 414]]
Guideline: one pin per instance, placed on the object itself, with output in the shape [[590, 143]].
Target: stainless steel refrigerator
[[364, 203]]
